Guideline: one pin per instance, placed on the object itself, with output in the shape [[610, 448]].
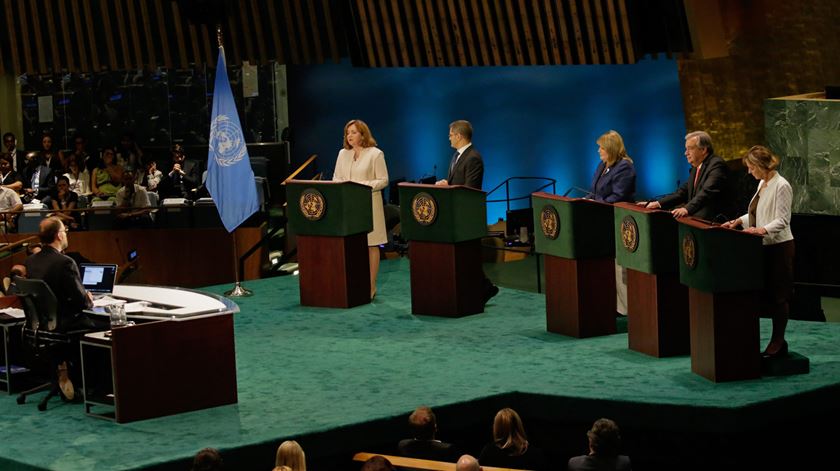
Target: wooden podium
[[331, 220], [444, 225], [657, 304], [577, 238], [724, 272]]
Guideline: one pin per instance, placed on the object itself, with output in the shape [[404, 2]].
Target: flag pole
[[238, 290]]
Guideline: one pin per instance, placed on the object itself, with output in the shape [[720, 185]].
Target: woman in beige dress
[[362, 162]]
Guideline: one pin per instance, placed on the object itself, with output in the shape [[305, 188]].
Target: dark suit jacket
[[61, 274], [167, 188], [706, 200], [618, 184], [469, 170], [428, 450], [46, 180], [598, 463]]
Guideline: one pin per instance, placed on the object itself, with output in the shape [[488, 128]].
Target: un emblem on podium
[[550, 222], [629, 234], [312, 204], [689, 250], [424, 208]]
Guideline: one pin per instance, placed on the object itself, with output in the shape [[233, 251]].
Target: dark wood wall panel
[[55, 36], [460, 33]]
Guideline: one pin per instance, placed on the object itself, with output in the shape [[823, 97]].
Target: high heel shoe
[[780, 353]]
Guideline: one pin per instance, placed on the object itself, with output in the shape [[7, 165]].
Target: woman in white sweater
[[769, 215]]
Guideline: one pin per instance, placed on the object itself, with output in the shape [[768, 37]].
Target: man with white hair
[[467, 463]]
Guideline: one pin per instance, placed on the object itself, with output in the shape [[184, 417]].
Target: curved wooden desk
[[179, 357]]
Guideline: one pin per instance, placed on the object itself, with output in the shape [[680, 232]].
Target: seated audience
[[106, 178], [467, 463], [182, 179], [604, 443], [10, 206], [9, 178], [423, 425], [377, 463], [151, 178], [18, 155], [510, 447], [83, 158], [38, 180], [63, 201], [52, 158], [134, 202], [290, 454], [208, 459], [78, 177]]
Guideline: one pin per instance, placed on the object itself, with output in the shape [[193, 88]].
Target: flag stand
[[238, 290]]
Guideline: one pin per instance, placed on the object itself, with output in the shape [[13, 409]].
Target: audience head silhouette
[[509, 433], [467, 463], [290, 454], [604, 438], [377, 463], [423, 423], [207, 459]]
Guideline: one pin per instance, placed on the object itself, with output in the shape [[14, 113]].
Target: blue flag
[[230, 179]]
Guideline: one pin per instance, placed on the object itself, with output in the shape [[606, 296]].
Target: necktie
[[454, 161], [697, 176]]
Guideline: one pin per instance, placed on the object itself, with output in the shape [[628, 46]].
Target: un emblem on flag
[[550, 222], [312, 204], [226, 141], [424, 208], [629, 234], [689, 250]]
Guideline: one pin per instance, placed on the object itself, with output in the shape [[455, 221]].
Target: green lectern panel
[[323, 208], [572, 228], [717, 260], [645, 239], [446, 214]]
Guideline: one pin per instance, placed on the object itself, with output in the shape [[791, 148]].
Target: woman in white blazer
[[362, 162], [769, 215]]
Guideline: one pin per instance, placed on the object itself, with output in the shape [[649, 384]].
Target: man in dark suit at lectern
[[702, 194], [466, 168]]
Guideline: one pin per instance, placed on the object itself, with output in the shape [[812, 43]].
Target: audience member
[[9, 178], [208, 459], [18, 155], [604, 443], [38, 180], [467, 463], [107, 178], [77, 175], [184, 176], [152, 176], [377, 463], [63, 201], [510, 447], [134, 201], [17, 271], [52, 158], [10, 205], [423, 425], [290, 454], [129, 156], [83, 158]]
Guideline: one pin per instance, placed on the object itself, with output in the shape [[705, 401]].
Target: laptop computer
[[99, 278]]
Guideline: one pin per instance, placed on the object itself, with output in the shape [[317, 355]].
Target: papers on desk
[[106, 301], [14, 312]]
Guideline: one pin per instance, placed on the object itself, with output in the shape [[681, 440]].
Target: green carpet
[[302, 371]]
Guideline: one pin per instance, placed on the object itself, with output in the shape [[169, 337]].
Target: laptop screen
[[99, 278]]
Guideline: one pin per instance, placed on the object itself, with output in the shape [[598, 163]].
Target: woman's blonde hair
[[509, 433], [290, 454], [364, 130], [612, 142], [761, 157]]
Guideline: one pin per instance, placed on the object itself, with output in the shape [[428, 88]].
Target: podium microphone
[[575, 188]]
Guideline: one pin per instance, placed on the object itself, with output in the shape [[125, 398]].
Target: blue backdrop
[[528, 121]]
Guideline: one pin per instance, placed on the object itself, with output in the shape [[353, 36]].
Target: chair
[[44, 344]]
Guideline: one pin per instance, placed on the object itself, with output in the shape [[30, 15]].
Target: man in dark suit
[[466, 167], [184, 177], [38, 179], [702, 194], [61, 274], [18, 155], [604, 443], [424, 446]]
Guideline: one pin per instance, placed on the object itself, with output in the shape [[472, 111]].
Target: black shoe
[[780, 353], [491, 291]]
